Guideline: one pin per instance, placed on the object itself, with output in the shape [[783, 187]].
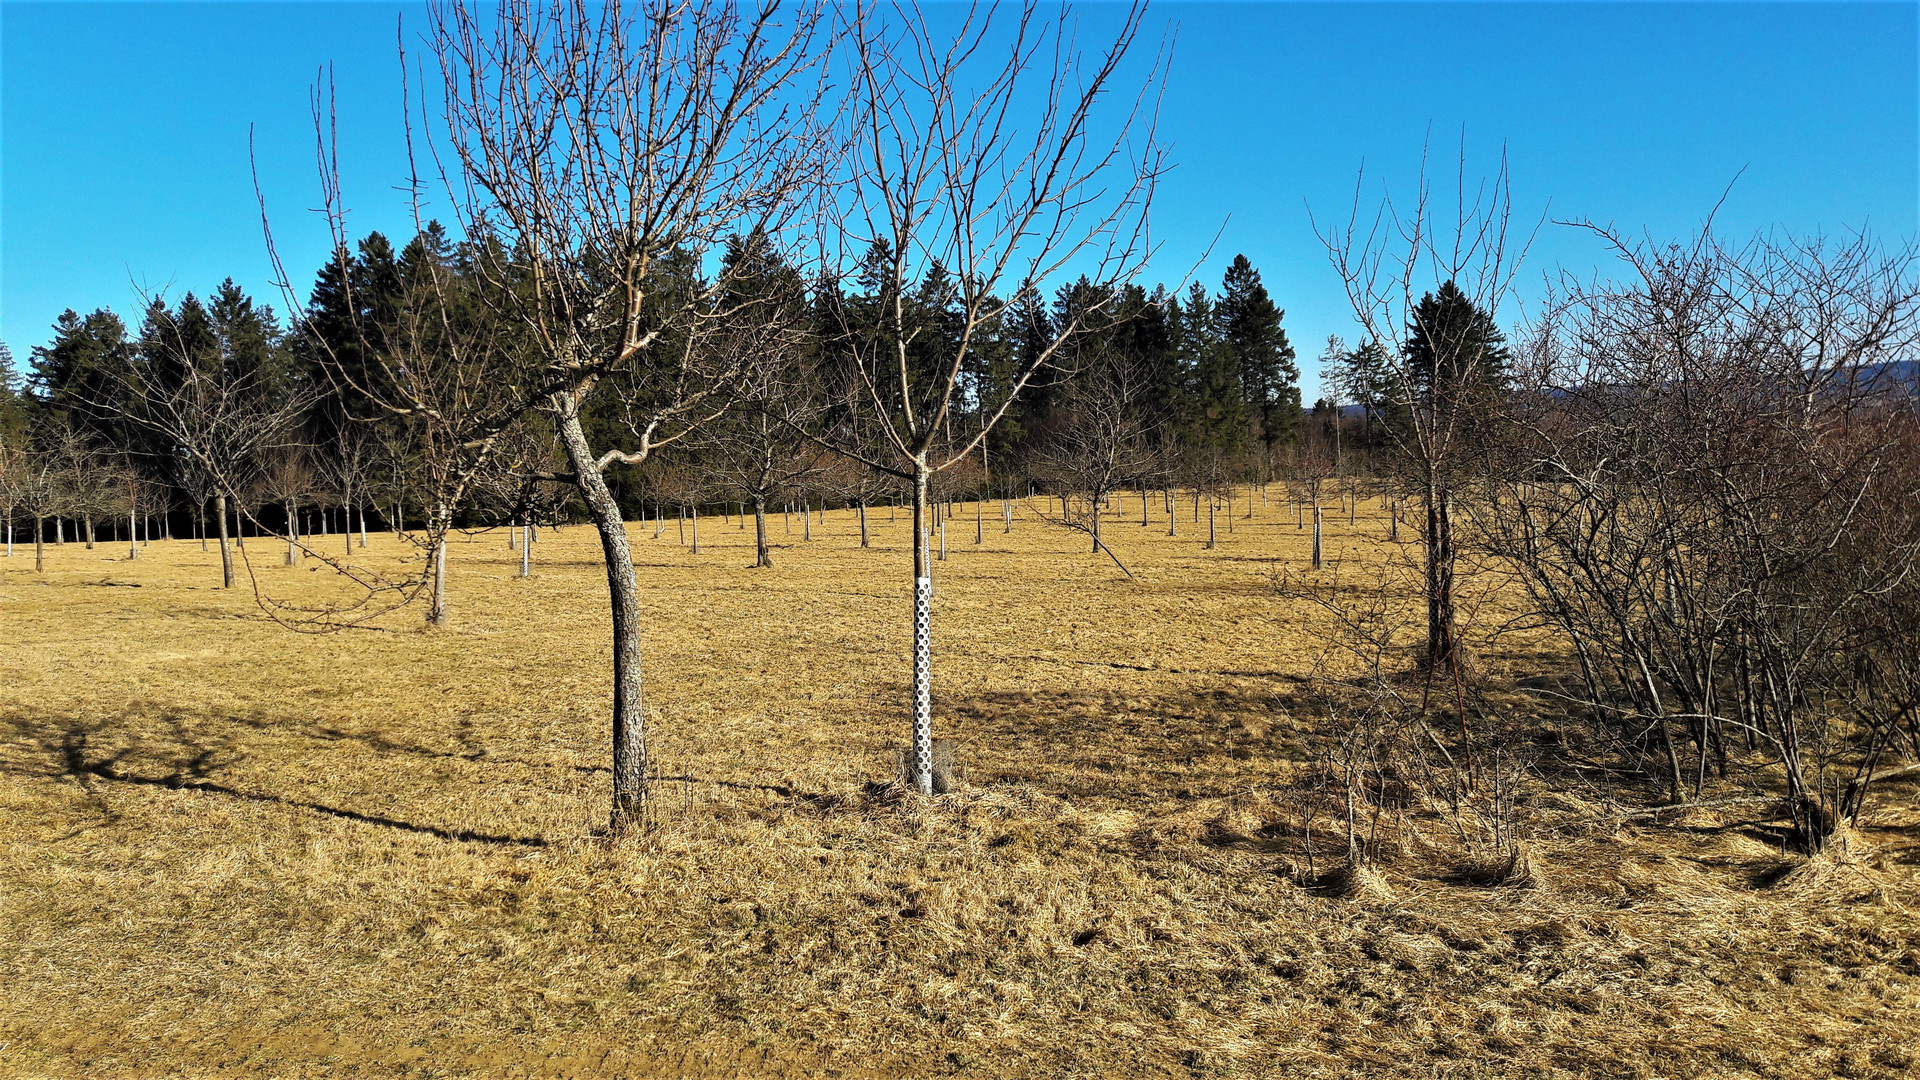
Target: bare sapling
[[976, 179]]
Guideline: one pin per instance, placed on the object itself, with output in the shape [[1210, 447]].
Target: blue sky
[[124, 133]]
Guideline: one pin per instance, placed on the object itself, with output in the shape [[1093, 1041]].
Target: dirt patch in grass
[[235, 850]]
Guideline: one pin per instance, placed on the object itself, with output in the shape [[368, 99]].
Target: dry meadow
[[230, 849]]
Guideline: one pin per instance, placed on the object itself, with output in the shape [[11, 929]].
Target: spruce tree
[[1217, 422], [1250, 325], [1455, 353]]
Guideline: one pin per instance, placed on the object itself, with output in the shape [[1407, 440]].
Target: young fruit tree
[[983, 164], [1425, 290], [607, 152]]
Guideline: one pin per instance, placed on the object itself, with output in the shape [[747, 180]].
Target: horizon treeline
[[1211, 384]]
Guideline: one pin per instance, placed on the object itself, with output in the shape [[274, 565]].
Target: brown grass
[[233, 850]]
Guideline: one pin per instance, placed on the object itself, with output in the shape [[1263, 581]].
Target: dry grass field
[[233, 850]]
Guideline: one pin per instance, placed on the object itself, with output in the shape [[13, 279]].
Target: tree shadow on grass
[[1131, 746], [185, 763]]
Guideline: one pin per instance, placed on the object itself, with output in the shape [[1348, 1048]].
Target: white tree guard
[[923, 684]]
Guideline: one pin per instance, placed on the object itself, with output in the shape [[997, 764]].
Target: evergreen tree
[[1455, 354], [1216, 422], [1250, 325], [74, 380]]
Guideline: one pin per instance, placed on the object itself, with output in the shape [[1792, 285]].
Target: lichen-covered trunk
[[226, 553], [442, 520], [761, 554], [629, 708], [922, 749]]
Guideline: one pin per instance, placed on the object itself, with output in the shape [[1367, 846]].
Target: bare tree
[[1438, 376], [35, 480], [218, 416], [975, 155], [1714, 501], [604, 151], [1105, 443]]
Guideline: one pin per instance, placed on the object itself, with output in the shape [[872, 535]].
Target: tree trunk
[[979, 520], [1211, 502], [629, 709], [293, 533], [200, 523], [1316, 538], [922, 749], [437, 612], [226, 553], [1440, 643], [89, 528], [526, 550], [133, 550], [39, 544], [694, 516], [1096, 524], [863, 522], [761, 553], [806, 520]]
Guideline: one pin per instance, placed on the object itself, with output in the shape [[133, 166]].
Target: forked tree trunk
[[921, 752], [762, 556], [629, 708], [226, 553]]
